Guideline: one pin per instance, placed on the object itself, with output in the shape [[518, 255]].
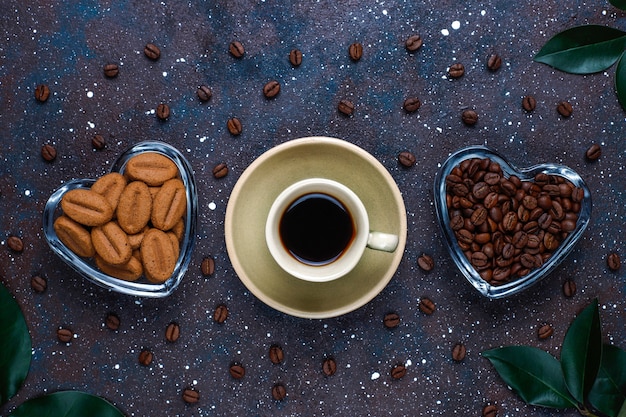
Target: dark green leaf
[[609, 391], [15, 346], [67, 404], [582, 352], [533, 374], [583, 49], [620, 4], [622, 411], [620, 81]]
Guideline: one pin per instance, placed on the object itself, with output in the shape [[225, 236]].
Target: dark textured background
[[66, 43]]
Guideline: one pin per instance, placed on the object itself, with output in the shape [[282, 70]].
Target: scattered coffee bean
[[220, 314], [163, 111], [469, 117], [65, 335], [458, 352], [490, 411], [145, 357], [295, 57], [152, 51], [346, 107], [412, 104], [48, 152], [426, 306], [191, 396], [204, 93], [494, 62], [172, 332], [569, 288], [406, 159], [42, 92], [355, 51], [98, 142], [220, 170], [613, 261], [237, 370], [529, 103], [426, 262], [456, 70], [236, 49], [279, 392], [593, 152], [398, 371], [329, 367], [112, 321], [234, 126], [545, 331], [413, 43], [391, 320], [15, 244], [565, 109], [38, 284], [271, 89], [276, 354], [111, 70], [208, 266]]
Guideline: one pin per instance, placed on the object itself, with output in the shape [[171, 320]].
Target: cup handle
[[382, 241]]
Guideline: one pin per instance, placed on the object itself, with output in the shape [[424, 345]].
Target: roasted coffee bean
[[145, 357], [479, 259], [220, 314], [456, 70], [234, 126], [412, 104], [98, 142], [163, 111], [15, 244], [494, 62], [613, 261], [220, 170], [279, 392], [112, 321], [398, 371], [545, 331], [490, 411], [593, 152], [295, 57], [329, 367], [208, 266], [413, 43], [426, 306], [469, 117], [191, 396], [565, 109], [276, 354], [391, 320], [172, 332], [111, 70], [236, 49], [152, 51], [406, 159], [346, 107], [569, 288], [65, 335], [38, 284], [271, 89], [529, 103], [48, 152], [426, 262], [458, 352], [237, 370], [204, 93], [42, 92], [355, 51]]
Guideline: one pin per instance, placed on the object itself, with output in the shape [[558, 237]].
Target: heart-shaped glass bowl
[[525, 174], [87, 268]]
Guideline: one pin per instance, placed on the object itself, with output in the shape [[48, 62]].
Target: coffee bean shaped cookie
[[158, 256], [110, 186], [74, 236], [111, 243], [86, 207], [129, 271], [151, 167], [134, 208], [169, 204]]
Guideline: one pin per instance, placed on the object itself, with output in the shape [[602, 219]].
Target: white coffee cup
[[313, 268]]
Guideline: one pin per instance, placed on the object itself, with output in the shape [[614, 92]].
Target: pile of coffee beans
[[507, 227]]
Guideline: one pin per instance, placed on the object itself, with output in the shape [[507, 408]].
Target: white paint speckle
[[445, 32], [165, 73], [456, 25], [375, 376], [89, 94], [212, 205]]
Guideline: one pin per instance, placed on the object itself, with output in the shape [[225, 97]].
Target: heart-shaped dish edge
[[525, 174], [87, 269]]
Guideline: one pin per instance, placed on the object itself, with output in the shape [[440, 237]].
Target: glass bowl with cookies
[[133, 229]]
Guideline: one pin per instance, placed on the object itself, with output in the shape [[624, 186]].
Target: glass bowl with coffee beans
[[131, 230], [507, 228]]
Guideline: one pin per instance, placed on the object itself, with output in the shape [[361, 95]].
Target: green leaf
[[533, 374], [620, 81], [67, 404], [582, 352], [620, 4], [583, 49], [622, 411], [609, 390], [15, 346]]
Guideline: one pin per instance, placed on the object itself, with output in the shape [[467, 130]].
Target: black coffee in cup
[[316, 228]]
